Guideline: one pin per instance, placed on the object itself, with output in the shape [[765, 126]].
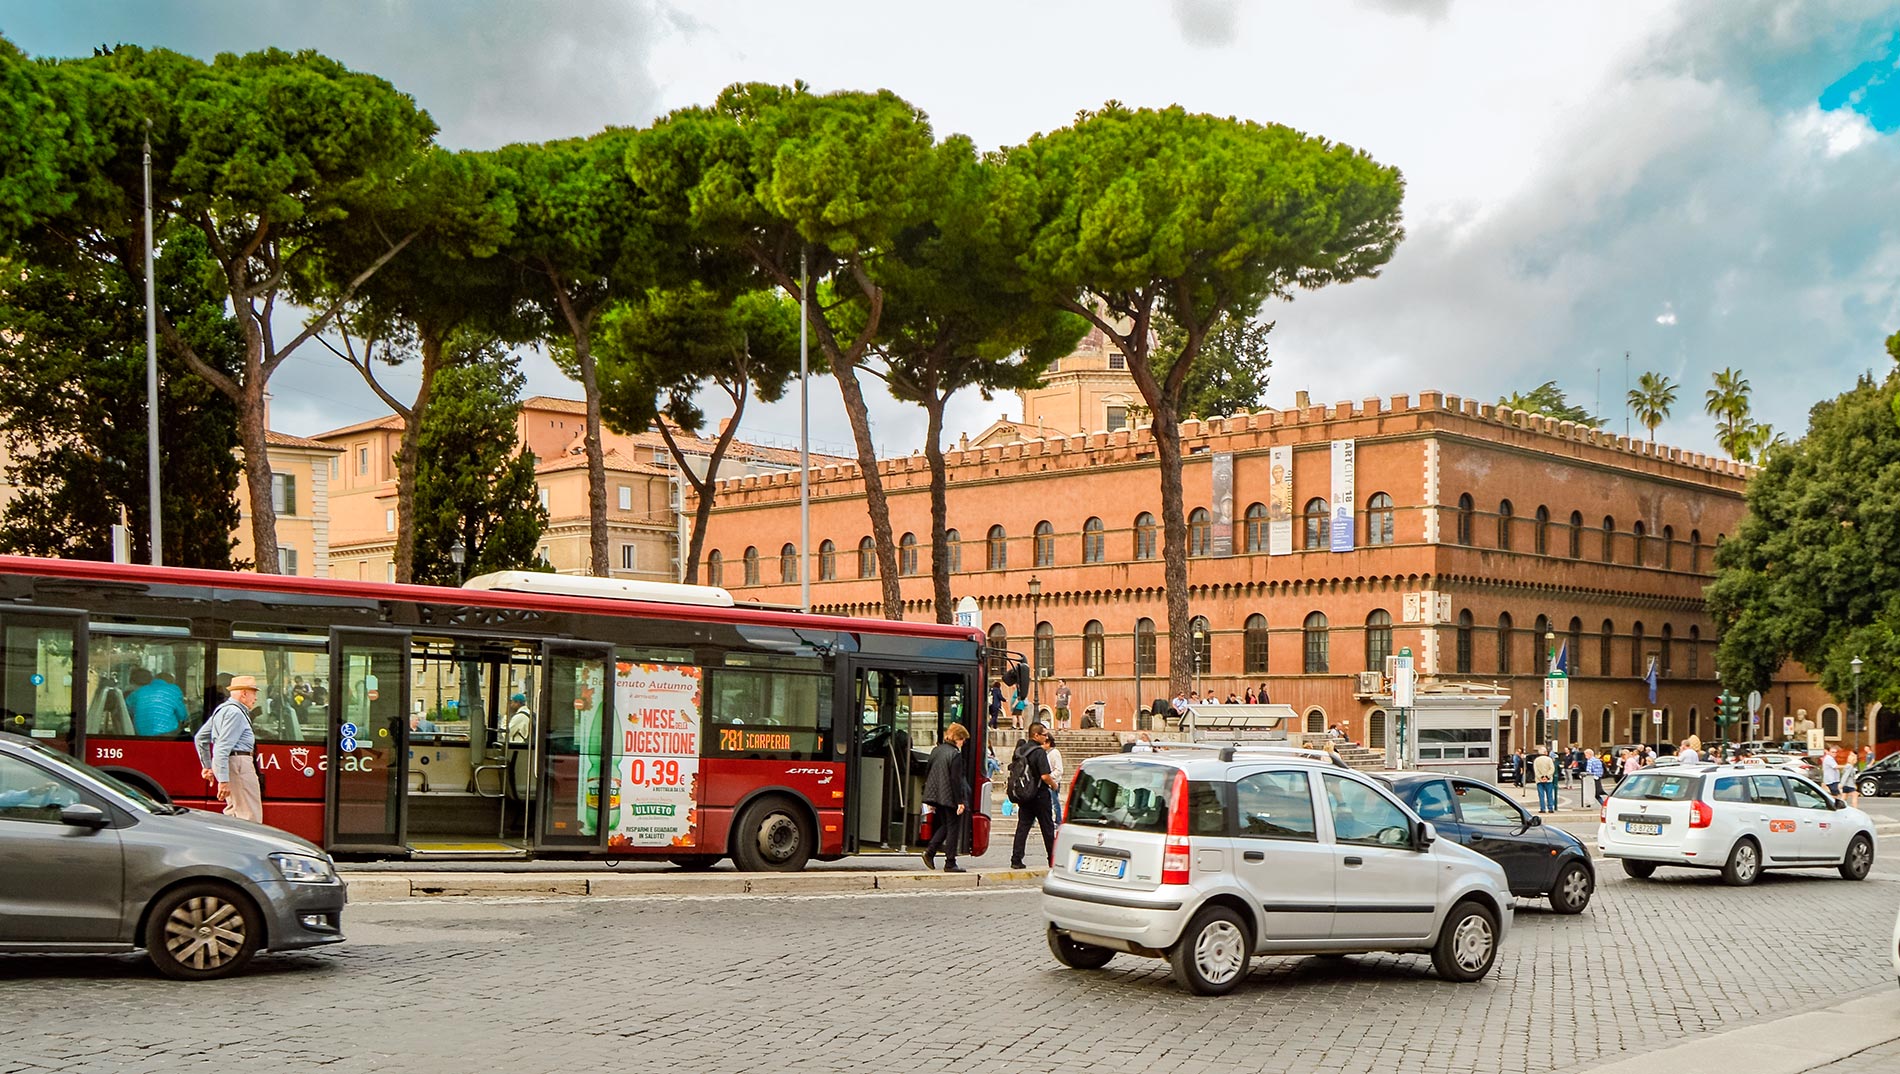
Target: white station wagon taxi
[[1740, 819]]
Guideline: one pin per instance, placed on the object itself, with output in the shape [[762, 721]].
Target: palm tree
[[1651, 399], [1727, 403]]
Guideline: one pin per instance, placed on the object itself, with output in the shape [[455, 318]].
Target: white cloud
[[1836, 132], [1668, 315]]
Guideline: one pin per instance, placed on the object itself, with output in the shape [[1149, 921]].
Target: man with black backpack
[[1032, 786]]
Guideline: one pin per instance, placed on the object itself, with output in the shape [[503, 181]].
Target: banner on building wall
[[657, 708], [1280, 502], [1222, 543], [1343, 528]]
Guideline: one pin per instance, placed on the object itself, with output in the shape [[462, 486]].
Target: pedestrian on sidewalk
[[947, 793], [1062, 703], [1038, 811], [1831, 771], [226, 745], [1517, 767], [1055, 789], [1546, 772], [1593, 776], [1850, 778]]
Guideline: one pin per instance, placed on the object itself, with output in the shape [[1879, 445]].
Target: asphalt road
[[948, 982]]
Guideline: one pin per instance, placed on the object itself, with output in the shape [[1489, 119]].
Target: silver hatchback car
[[1208, 857], [91, 865]]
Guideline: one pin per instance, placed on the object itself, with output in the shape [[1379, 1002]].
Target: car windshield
[[1659, 786], [138, 797], [1120, 794]]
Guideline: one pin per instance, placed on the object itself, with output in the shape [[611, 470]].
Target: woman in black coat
[[947, 792]]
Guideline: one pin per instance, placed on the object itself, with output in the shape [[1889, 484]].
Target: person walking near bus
[[947, 793], [1831, 771], [1593, 776], [1037, 807], [226, 748], [1055, 789], [1546, 771]]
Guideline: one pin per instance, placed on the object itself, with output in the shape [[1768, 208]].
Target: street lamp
[[1035, 644], [1200, 638], [1860, 725], [458, 554]]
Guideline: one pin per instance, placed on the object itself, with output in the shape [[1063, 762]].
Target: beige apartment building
[[644, 529], [301, 469]]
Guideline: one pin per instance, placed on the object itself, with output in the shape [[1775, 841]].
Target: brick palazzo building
[[1462, 531]]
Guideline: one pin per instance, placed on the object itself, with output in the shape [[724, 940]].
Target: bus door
[[39, 691], [576, 754], [369, 677], [474, 707], [899, 716]]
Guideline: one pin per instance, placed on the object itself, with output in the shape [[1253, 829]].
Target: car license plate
[[1096, 865], [1642, 829]]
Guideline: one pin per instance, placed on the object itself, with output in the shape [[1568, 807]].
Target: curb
[[373, 888], [1793, 1043]]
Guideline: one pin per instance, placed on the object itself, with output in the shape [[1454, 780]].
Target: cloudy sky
[[1693, 184]]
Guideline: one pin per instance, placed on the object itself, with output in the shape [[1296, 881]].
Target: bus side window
[[143, 686], [293, 696]]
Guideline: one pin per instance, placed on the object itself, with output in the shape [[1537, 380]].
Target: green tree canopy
[[1549, 400], [1142, 212], [1651, 400], [472, 484], [1231, 375], [1813, 572]]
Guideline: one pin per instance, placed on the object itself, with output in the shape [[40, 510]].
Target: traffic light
[[1721, 710], [1728, 710]]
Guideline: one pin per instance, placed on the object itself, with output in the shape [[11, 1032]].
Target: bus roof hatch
[[568, 585]]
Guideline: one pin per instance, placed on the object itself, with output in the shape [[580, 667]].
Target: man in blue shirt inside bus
[[157, 706]]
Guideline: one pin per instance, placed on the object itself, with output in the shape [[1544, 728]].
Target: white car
[[1208, 857], [1740, 819]]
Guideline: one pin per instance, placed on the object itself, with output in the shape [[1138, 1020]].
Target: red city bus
[[523, 715]]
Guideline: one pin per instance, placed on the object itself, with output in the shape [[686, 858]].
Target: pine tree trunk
[[596, 458], [939, 512], [1174, 549], [406, 465], [257, 473], [875, 503]]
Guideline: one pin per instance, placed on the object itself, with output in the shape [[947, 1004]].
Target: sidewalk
[[1809, 1040], [394, 887]]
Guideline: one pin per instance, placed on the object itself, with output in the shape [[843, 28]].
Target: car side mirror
[[81, 815], [1532, 820], [1424, 835]]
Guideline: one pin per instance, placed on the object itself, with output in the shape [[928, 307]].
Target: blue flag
[[1563, 658], [1650, 678]]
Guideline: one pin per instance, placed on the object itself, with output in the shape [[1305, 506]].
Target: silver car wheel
[[1219, 952], [1576, 886], [1746, 862], [204, 933], [1860, 856], [1471, 943]]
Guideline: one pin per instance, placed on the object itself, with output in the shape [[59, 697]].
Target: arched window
[[907, 554], [1375, 729], [1639, 536], [1695, 721], [1505, 518], [1315, 721], [1093, 660], [1540, 538], [1318, 524], [1045, 650], [1576, 724], [1609, 539], [1540, 649], [998, 549], [788, 563], [1257, 527], [827, 560], [1603, 732], [1573, 656], [1576, 535], [715, 568], [1695, 551], [1379, 519], [1200, 532], [1663, 661], [1145, 661], [1465, 630], [1504, 644], [1695, 652], [999, 649], [1144, 536], [1256, 645], [1603, 648], [953, 552], [867, 558], [1831, 722], [1045, 545], [1314, 630], [1094, 541], [1669, 549], [1465, 510], [1637, 667], [1201, 636], [1378, 639], [751, 565]]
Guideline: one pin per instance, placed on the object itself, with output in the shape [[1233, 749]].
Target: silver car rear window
[[1126, 795]]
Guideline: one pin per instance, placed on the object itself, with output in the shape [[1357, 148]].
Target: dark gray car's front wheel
[[1572, 891], [202, 931]]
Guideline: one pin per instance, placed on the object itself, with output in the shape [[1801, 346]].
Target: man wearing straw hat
[[226, 746]]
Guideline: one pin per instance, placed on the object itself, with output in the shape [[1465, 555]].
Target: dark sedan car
[[1880, 778], [1540, 861]]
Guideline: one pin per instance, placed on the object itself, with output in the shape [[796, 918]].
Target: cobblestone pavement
[[947, 982]]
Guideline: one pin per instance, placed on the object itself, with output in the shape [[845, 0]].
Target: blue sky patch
[[1872, 89]]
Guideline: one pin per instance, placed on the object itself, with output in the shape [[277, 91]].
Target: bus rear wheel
[[772, 836]]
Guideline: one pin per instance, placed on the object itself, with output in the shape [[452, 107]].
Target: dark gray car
[[92, 865]]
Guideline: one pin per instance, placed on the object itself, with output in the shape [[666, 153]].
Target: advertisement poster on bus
[[1280, 502], [1343, 494], [657, 709]]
